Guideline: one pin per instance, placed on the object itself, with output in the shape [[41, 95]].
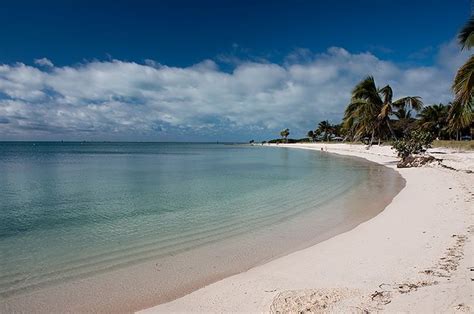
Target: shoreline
[[160, 279], [415, 255]]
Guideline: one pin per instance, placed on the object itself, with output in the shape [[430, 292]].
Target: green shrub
[[415, 142]]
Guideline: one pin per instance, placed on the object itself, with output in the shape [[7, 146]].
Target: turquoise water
[[74, 210]]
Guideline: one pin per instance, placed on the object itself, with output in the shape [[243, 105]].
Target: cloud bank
[[119, 100]]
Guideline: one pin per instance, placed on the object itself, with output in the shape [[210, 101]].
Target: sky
[[213, 70]]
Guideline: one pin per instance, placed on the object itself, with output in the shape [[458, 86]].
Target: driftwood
[[415, 161]]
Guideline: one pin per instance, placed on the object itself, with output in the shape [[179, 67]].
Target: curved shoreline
[[404, 243], [104, 292]]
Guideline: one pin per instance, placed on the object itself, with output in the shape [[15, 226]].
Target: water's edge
[[335, 232], [138, 288]]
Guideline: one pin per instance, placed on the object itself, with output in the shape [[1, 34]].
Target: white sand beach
[[415, 256]]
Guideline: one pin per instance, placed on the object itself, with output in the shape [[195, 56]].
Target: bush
[[415, 143]]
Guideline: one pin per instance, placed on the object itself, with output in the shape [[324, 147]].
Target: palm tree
[[360, 115], [459, 117], [434, 118], [461, 113], [403, 104], [466, 35], [311, 135], [284, 134], [317, 133], [404, 123], [403, 114], [337, 129], [370, 109], [325, 128]]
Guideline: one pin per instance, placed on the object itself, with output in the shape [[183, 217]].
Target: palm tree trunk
[[372, 138], [391, 130]]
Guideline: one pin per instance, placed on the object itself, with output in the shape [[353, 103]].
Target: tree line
[[374, 115]]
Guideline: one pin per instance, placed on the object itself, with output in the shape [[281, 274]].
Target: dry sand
[[415, 256]]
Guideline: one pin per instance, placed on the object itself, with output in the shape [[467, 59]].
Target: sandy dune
[[416, 256]]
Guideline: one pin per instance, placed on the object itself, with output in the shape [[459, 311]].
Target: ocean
[[106, 226]]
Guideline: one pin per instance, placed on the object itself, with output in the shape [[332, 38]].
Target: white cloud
[[116, 99], [44, 62], [450, 57]]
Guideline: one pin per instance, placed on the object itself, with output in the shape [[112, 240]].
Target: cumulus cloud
[[126, 100], [44, 62]]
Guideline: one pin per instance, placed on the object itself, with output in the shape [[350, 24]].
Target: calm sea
[[70, 212]]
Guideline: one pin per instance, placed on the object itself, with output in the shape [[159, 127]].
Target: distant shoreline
[[126, 142]]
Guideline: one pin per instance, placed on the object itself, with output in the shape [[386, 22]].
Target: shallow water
[[77, 215]]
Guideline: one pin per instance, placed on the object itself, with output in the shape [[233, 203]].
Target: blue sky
[[212, 70]]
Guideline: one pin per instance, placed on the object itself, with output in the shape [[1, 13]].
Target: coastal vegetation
[[284, 134], [411, 145], [416, 142], [461, 111], [373, 115], [371, 110], [459, 145]]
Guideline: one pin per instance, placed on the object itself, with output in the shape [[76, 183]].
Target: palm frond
[[385, 111], [414, 102], [466, 35], [387, 93], [402, 113], [366, 89], [460, 115], [464, 82], [360, 117], [434, 118]]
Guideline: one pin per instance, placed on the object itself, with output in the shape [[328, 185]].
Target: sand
[[415, 256]]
